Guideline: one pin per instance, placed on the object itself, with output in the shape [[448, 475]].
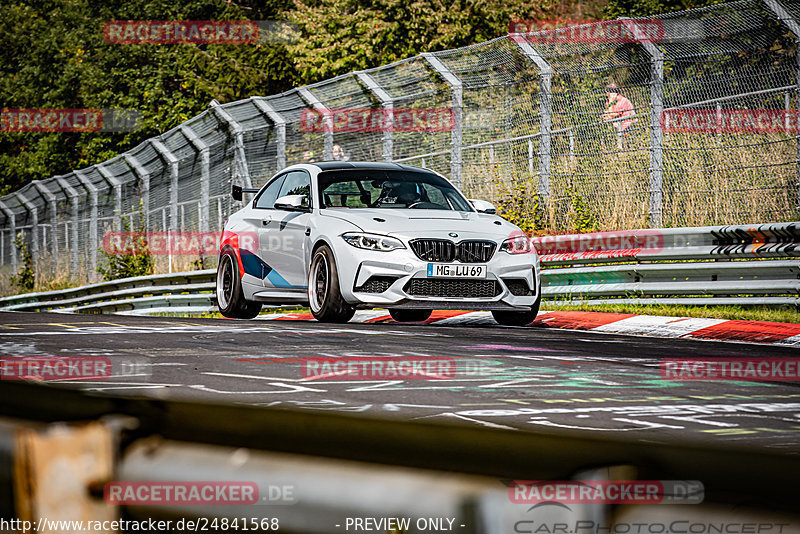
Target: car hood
[[432, 223]]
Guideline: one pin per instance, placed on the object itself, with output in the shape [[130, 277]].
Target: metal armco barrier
[[714, 265]]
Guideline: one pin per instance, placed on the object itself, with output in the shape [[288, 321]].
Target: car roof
[[341, 165]]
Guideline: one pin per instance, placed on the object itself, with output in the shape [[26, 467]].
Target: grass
[[755, 313]]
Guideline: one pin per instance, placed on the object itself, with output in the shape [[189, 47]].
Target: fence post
[[50, 199], [13, 226], [205, 173], [387, 102], [172, 163], [458, 111], [794, 26], [34, 212], [280, 128], [327, 120], [73, 198], [545, 113], [144, 176], [91, 189], [114, 182], [656, 133], [238, 136]]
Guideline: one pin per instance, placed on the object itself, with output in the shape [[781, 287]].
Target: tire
[[230, 298], [324, 296], [513, 318], [410, 316]]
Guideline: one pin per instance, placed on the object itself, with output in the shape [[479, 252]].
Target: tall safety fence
[[521, 120]]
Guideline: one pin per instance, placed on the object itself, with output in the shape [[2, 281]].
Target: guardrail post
[[91, 189], [34, 212], [387, 102], [73, 197], [794, 26], [327, 120], [172, 163], [545, 113], [144, 176], [458, 112], [280, 128], [13, 226], [205, 173], [238, 135], [114, 182], [50, 199], [656, 133]]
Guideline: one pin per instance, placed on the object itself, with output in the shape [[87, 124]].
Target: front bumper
[[398, 279]]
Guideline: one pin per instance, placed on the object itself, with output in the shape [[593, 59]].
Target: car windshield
[[376, 188]]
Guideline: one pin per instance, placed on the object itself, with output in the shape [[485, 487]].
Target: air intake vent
[[439, 250], [444, 250], [432, 287]]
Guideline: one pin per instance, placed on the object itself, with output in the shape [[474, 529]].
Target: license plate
[[456, 270]]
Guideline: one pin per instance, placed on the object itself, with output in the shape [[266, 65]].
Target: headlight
[[520, 244], [382, 243]]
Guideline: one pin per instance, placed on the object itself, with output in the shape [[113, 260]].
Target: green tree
[[340, 36], [644, 8], [54, 56]]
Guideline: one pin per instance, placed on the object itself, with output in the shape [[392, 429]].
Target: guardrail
[[393, 467], [714, 265]]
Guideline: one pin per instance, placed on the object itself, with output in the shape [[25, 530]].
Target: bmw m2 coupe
[[339, 236]]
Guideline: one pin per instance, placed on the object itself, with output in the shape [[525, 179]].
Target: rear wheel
[[410, 316], [230, 298], [514, 318], [324, 296]]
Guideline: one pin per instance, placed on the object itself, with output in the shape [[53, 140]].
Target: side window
[[267, 198], [296, 183]]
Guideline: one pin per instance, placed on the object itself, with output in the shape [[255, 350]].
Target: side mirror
[[237, 191], [292, 203], [481, 206]]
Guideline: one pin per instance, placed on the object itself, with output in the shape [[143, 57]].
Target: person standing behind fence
[[619, 112]]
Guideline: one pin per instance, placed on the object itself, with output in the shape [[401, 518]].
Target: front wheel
[[514, 318], [324, 296], [230, 298], [410, 316]]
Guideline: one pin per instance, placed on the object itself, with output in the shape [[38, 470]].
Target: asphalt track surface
[[528, 378]]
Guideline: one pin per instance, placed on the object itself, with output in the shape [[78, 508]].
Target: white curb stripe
[[653, 325]]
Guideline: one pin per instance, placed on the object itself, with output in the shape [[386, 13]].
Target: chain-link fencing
[[530, 124]]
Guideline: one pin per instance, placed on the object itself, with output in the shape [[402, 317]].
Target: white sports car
[[345, 235]]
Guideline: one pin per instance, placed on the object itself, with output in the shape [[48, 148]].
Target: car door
[[284, 238], [258, 217]]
